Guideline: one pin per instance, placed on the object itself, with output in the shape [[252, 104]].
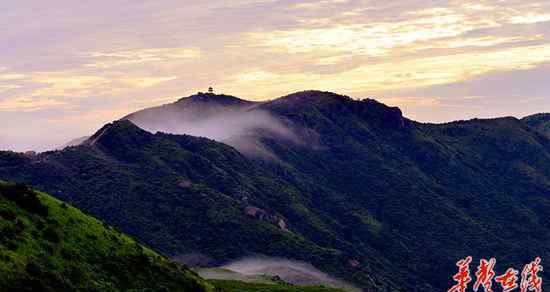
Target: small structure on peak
[[210, 90]]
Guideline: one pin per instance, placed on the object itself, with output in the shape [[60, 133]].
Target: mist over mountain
[[364, 194], [223, 118], [74, 142]]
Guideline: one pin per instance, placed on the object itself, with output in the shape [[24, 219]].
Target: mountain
[[193, 111], [201, 115], [196, 107], [47, 245], [351, 186], [540, 122], [224, 118]]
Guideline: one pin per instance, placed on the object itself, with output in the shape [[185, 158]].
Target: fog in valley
[[293, 272]]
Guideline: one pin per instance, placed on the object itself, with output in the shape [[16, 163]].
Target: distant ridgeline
[[350, 186]]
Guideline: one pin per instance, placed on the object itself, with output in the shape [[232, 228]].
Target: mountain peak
[[335, 104], [212, 98], [539, 122], [309, 97], [116, 133]]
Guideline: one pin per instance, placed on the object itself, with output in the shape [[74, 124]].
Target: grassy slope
[[47, 245]]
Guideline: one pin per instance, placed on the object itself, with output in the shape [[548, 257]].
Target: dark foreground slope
[[46, 245], [368, 195]]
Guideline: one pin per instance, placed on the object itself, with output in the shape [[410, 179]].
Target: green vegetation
[[371, 197], [47, 245]]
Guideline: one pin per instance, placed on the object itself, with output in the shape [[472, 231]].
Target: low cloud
[[29, 104], [137, 57], [241, 128], [293, 272]]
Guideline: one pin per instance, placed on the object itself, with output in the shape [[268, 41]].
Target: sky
[[68, 67]]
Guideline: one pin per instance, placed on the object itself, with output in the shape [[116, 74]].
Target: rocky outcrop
[[262, 214]]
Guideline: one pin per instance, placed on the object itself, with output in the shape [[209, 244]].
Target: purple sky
[[68, 67]]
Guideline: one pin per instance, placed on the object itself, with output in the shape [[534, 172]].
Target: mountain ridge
[[207, 103], [302, 98], [540, 122]]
